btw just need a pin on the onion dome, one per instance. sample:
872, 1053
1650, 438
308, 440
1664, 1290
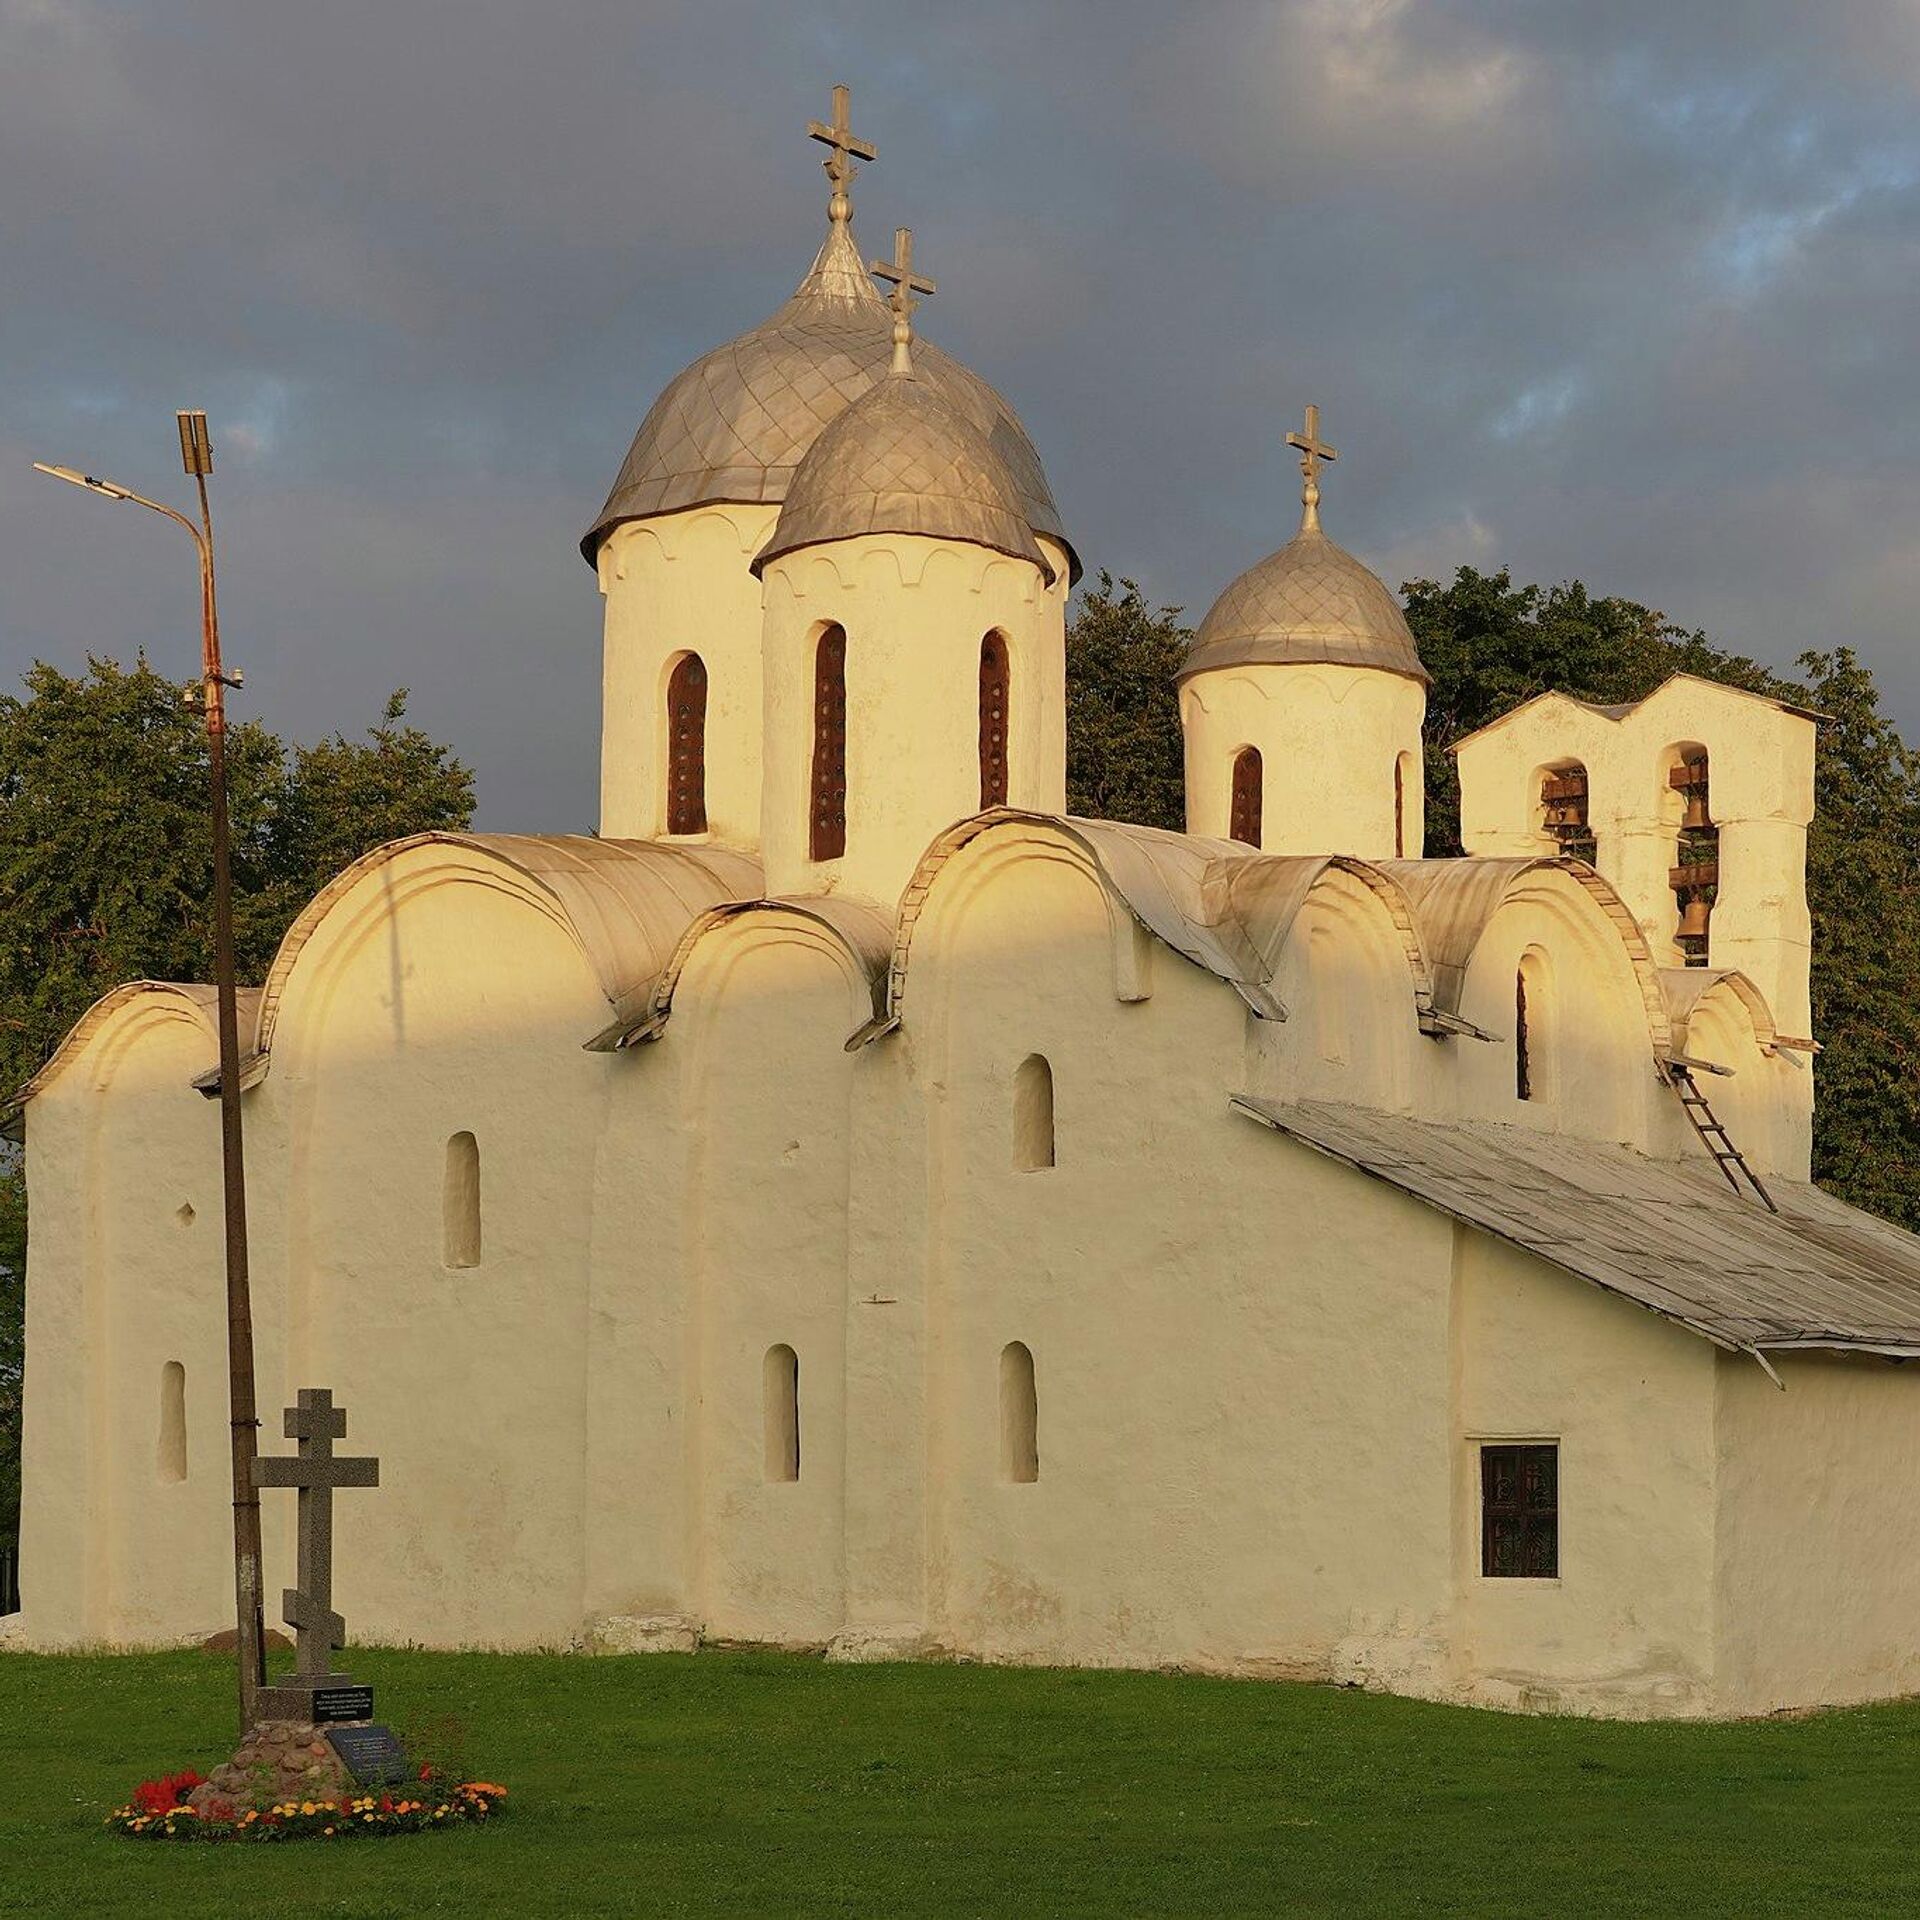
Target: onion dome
1310, 602
737, 423
904, 459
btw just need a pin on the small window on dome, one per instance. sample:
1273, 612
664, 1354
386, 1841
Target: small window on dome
995, 690
687, 747
827, 826
1248, 782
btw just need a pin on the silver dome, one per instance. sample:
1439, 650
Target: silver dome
1311, 601
904, 459
736, 424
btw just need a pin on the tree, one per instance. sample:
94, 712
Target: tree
106, 871
1125, 759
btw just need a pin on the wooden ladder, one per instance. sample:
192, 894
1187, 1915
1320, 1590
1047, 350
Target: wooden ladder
1713, 1136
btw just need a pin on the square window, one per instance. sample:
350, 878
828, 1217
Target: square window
1520, 1512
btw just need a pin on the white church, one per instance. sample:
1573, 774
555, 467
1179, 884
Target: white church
849, 1204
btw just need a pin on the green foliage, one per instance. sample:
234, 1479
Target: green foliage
106, 870
768, 1785
1124, 755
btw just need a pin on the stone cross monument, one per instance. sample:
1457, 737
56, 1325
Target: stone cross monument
316, 1423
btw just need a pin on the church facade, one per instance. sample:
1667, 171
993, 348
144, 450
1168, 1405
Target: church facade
849, 1203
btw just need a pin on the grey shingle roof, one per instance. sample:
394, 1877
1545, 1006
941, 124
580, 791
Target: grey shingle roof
903, 459
1670, 1235
737, 423
1311, 601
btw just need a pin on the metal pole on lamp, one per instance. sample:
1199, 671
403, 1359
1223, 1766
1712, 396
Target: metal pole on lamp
196, 452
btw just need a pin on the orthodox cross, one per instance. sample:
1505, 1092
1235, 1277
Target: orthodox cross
316, 1423
846, 149
906, 283
1312, 451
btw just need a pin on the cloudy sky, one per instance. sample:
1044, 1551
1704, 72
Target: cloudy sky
1624, 291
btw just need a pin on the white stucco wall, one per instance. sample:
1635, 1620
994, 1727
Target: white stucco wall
675, 584
1261, 1377
1330, 738
915, 612
1817, 1566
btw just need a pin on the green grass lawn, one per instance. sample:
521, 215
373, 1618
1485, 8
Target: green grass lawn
754, 1783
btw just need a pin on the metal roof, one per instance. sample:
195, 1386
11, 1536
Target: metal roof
1311, 601
903, 459
736, 424
627, 902
198, 1000
1669, 1235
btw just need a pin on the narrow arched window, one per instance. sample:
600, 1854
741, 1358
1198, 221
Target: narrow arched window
781, 1399
1400, 806
996, 679
460, 1203
1033, 1114
687, 746
1522, 1039
1244, 823
827, 831
172, 1454
1019, 1415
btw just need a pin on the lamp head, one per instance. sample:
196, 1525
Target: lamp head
77, 479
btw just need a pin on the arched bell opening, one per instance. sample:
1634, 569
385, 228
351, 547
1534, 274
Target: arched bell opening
1565, 810
1686, 805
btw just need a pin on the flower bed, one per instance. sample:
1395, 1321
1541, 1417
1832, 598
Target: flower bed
159, 1811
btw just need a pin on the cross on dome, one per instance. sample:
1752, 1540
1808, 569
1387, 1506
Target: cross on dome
1312, 451
846, 148
906, 283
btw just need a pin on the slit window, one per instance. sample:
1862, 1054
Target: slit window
1522, 1039
995, 692
172, 1454
827, 827
460, 1203
1520, 1512
1400, 805
687, 747
1019, 1415
782, 1413
1033, 1114
1248, 797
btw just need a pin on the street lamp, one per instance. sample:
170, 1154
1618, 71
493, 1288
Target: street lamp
196, 454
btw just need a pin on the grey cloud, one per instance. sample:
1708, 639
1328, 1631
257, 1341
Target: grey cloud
1619, 291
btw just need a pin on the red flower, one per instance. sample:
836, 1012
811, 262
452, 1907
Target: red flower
168, 1792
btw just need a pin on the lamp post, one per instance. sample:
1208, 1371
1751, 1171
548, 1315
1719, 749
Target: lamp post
196, 453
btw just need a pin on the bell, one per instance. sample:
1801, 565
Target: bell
1696, 815
1694, 915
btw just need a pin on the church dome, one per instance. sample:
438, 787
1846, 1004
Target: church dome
904, 459
1311, 601
737, 423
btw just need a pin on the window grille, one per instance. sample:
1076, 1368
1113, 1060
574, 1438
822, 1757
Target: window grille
827, 833
1520, 1512
995, 687
687, 747
1244, 824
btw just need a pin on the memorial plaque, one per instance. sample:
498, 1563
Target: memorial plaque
371, 1754
342, 1703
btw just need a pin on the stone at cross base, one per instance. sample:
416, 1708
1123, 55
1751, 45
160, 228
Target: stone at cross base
314, 1470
